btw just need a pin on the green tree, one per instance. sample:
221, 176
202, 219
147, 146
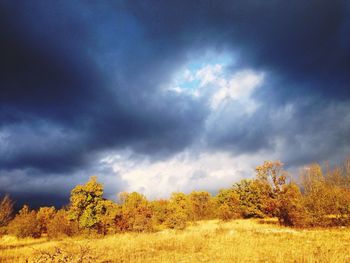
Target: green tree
86, 204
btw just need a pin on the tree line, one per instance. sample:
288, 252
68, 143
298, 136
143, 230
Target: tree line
318, 199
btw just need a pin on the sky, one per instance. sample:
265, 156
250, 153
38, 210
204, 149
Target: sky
164, 96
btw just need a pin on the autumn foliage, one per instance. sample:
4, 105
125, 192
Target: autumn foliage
6, 210
321, 198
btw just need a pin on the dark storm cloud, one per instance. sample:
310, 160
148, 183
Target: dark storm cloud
304, 46
319, 131
45, 67
81, 78
301, 41
301, 131
75, 80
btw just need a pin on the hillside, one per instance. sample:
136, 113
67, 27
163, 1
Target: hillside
206, 241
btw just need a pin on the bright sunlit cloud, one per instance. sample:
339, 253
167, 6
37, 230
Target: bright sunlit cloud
239, 87
183, 172
198, 72
213, 79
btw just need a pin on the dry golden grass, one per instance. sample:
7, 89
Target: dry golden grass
209, 241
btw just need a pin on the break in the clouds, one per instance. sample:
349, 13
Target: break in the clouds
162, 96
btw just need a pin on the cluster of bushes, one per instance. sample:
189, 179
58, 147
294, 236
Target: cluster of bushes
89, 213
320, 199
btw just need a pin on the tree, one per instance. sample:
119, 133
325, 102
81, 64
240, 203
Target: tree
201, 205
160, 210
107, 218
291, 207
255, 198
44, 215
60, 225
179, 211
227, 202
6, 210
317, 196
137, 213
340, 199
86, 204
326, 197
271, 172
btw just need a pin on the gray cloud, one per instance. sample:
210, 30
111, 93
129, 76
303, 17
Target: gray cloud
79, 79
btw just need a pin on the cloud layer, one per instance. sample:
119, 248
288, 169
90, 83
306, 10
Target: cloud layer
172, 93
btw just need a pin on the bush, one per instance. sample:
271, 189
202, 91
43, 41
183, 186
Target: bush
176, 220
136, 214
291, 211
6, 210
256, 199
227, 202
340, 214
179, 211
201, 205
44, 215
109, 213
25, 224
60, 226
160, 210
67, 253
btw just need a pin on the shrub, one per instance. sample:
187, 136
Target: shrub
291, 211
160, 210
318, 197
59, 225
136, 213
25, 224
340, 216
67, 253
227, 202
179, 211
107, 217
6, 210
44, 215
256, 198
201, 205
176, 220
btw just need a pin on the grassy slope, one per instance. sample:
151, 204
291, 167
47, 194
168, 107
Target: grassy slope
210, 241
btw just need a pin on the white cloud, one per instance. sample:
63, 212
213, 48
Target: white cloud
209, 74
212, 83
187, 75
238, 88
184, 172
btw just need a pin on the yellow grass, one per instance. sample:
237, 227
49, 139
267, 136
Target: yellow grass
207, 241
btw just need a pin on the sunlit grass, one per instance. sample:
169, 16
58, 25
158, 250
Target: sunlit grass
207, 241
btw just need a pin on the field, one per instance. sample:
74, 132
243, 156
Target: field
205, 241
